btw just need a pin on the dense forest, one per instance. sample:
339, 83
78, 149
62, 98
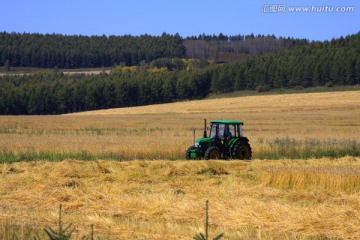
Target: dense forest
54, 50
171, 78
318, 64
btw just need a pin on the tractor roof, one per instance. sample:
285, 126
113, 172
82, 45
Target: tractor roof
227, 122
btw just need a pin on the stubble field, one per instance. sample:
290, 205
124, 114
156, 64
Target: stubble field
123, 170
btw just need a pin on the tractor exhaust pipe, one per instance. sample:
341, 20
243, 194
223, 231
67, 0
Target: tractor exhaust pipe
205, 134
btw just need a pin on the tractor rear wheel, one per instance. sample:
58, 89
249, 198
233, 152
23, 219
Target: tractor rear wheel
212, 153
242, 150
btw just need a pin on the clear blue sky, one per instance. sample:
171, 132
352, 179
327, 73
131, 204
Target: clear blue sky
186, 17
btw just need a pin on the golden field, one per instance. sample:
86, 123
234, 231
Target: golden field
151, 197
165, 199
165, 131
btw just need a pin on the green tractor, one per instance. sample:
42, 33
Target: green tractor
225, 142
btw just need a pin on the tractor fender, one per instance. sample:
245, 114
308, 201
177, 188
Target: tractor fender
233, 141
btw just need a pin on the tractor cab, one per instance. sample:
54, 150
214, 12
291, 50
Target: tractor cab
227, 129
225, 141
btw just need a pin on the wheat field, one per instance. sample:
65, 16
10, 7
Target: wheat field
318, 120
123, 170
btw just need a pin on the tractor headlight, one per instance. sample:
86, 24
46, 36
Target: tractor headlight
197, 144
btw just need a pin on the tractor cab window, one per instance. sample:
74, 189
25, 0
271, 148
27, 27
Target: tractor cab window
222, 130
240, 131
217, 130
230, 131
214, 130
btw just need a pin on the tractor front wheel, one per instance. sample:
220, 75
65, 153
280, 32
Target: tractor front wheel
212, 153
242, 150
187, 154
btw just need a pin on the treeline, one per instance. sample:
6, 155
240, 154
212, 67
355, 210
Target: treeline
56, 93
60, 51
318, 64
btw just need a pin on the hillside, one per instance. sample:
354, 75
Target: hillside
250, 104
174, 79
278, 126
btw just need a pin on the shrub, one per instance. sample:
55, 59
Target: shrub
262, 88
329, 84
299, 88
